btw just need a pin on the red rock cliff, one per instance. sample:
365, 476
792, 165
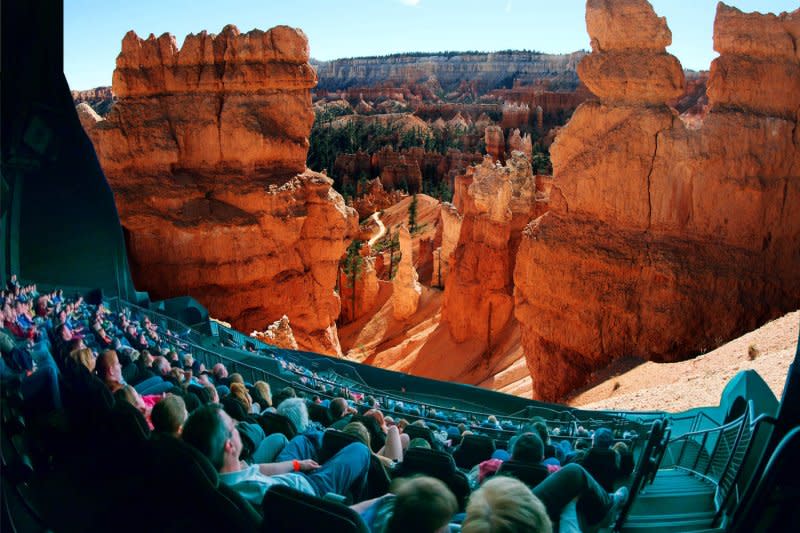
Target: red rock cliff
205, 151
664, 240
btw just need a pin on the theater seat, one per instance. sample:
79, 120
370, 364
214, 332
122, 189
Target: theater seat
436, 464
288, 510
419, 432
320, 414
473, 450
530, 474
275, 423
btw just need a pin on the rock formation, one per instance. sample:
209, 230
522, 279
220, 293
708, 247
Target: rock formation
205, 151
664, 240
279, 334
515, 115
407, 290
520, 143
495, 143
448, 72
100, 99
478, 299
450, 222
375, 198
366, 291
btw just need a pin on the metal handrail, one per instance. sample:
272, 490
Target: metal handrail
175, 324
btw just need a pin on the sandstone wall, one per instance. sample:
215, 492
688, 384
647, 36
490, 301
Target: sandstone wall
205, 151
665, 240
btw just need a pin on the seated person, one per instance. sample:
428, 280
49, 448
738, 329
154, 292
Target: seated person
421, 504
35, 371
601, 461
109, 370
214, 434
169, 415
505, 504
341, 413
573, 484
528, 450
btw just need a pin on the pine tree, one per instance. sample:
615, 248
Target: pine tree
412, 215
352, 265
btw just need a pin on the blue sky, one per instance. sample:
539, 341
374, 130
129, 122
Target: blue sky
93, 29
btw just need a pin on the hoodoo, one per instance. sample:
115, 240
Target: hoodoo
664, 240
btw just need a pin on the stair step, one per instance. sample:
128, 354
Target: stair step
702, 515
666, 527
670, 503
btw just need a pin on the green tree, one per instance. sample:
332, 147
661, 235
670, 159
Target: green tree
352, 264
412, 215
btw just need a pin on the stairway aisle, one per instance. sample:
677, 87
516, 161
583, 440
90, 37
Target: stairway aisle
676, 501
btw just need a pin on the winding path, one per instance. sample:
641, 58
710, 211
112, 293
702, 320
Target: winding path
381, 228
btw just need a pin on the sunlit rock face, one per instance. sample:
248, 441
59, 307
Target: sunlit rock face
664, 239
205, 150
496, 205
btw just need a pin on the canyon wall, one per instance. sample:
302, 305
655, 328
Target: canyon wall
665, 238
486, 70
205, 151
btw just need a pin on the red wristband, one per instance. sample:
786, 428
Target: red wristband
296, 465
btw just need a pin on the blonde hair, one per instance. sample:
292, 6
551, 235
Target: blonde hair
504, 504
239, 391
265, 391
85, 357
358, 430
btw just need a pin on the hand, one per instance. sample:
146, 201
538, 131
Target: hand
308, 464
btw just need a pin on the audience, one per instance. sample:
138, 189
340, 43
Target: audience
151, 368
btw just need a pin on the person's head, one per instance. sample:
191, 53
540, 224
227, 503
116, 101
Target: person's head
266, 393
379, 418
283, 394
147, 358
422, 504
359, 431
528, 448
239, 391
295, 410
603, 438
541, 430
214, 434
85, 357
419, 442
492, 419
108, 367
339, 408
126, 393
213, 393
169, 414
507, 505
236, 378
219, 371
188, 360
582, 444
161, 366
621, 448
